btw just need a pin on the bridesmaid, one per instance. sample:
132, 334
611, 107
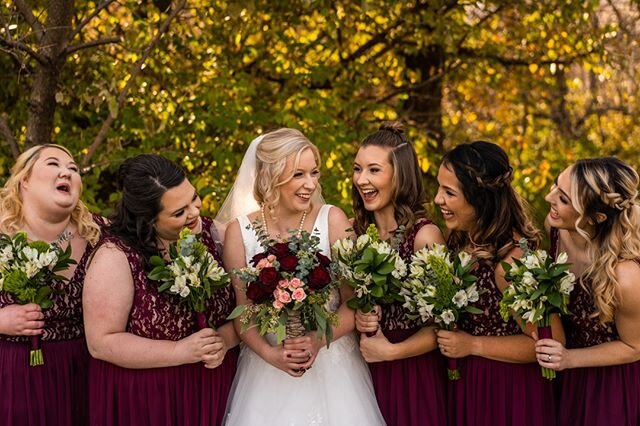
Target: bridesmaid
148, 365
408, 375
594, 219
500, 384
42, 198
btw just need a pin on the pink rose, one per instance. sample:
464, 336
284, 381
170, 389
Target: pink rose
299, 295
271, 258
282, 295
278, 305
283, 284
263, 263
295, 283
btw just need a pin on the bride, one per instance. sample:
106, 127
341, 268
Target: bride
300, 382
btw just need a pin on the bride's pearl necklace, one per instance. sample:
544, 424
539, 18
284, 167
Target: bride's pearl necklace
278, 236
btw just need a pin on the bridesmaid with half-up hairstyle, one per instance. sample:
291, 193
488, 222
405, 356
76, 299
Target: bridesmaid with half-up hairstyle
595, 219
408, 374
501, 384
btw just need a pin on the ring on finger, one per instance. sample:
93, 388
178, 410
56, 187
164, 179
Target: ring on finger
548, 357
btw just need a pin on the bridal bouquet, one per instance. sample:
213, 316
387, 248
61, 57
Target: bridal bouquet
289, 285
440, 289
192, 274
372, 267
539, 288
26, 270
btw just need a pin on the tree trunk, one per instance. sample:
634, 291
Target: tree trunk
42, 103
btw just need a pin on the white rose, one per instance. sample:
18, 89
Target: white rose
460, 299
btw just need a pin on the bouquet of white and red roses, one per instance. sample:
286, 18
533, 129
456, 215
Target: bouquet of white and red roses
540, 287
372, 267
440, 288
192, 274
26, 271
289, 285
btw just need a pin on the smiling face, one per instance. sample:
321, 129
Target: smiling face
373, 177
458, 214
54, 182
561, 215
299, 183
180, 208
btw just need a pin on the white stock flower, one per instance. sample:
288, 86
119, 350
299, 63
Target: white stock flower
562, 258
465, 258
567, 283
460, 299
447, 316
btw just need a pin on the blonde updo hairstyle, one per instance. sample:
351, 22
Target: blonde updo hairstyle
604, 193
272, 154
11, 217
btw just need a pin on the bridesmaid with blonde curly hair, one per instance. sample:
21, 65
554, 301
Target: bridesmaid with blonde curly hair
42, 198
594, 218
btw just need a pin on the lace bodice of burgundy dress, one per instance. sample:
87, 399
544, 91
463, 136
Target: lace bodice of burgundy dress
160, 316
580, 328
63, 321
394, 315
488, 323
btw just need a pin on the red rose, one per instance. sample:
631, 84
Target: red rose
319, 277
256, 293
279, 249
324, 260
269, 278
257, 258
288, 263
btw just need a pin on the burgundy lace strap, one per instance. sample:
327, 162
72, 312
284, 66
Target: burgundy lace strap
554, 244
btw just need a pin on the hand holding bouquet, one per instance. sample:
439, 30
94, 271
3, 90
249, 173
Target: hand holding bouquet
26, 270
372, 267
289, 285
539, 288
440, 289
192, 273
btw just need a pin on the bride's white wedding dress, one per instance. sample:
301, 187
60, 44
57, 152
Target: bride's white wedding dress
336, 391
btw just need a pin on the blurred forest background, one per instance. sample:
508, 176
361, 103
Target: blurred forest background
197, 80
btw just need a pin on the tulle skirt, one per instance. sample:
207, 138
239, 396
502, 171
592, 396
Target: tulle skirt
51, 394
494, 393
600, 396
337, 391
186, 395
411, 391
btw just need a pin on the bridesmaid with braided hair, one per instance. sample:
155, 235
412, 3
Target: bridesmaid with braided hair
408, 373
594, 218
501, 384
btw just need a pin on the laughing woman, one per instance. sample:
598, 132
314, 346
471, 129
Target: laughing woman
150, 366
42, 198
407, 372
595, 220
501, 384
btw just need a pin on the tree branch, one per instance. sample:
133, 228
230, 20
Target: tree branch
136, 69
89, 17
514, 61
12, 44
28, 16
94, 43
8, 135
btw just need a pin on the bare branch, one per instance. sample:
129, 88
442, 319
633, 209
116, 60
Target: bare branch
12, 44
89, 17
8, 135
136, 69
94, 43
28, 16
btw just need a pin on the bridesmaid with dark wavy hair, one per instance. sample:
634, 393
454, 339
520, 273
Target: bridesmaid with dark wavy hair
595, 219
408, 374
501, 384
150, 365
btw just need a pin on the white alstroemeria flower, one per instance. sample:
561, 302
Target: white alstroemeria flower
447, 316
528, 279
472, 293
562, 258
30, 254
185, 291
362, 241
344, 246
215, 272
194, 279
381, 247
416, 271
542, 255
361, 290
531, 262
31, 269
47, 259
460, 299
430, 291
180, 281
440, 250
465, 258
6, 255
567, 283
400, 268
188, 260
